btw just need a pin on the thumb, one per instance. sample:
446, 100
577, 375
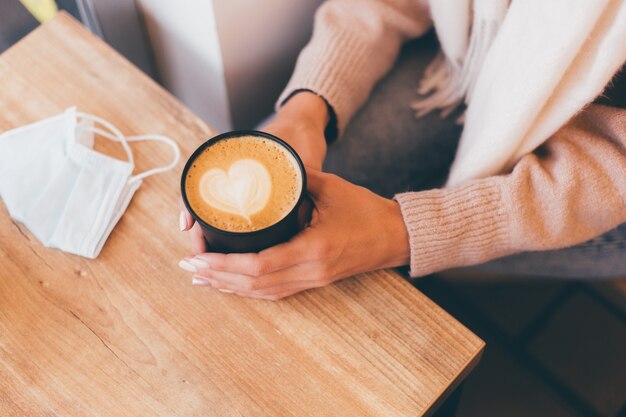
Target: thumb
315, 183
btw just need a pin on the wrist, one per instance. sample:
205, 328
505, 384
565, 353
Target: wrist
399, 247
305, 108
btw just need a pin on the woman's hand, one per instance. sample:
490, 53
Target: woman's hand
300, 122
352, 230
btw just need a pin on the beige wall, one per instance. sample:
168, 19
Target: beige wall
260, 41
228, 59
186, 49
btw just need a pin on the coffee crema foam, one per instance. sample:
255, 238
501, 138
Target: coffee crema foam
243, 184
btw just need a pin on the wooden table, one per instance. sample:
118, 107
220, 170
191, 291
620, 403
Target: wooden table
127, 335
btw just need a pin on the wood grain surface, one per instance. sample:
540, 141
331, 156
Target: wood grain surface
127, 334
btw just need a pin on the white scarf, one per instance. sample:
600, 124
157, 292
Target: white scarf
523, 70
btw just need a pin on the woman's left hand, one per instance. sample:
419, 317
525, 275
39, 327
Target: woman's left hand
352, 230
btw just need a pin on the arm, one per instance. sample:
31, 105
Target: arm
354, 43
571, 189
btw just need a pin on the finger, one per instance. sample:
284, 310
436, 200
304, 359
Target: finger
228, 280
276, 297
281, 256
282, 291
305, 275
198, 244
245, 283
291, 287
273, 293
185, 221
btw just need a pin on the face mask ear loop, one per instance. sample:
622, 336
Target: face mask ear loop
156, 138
117, 135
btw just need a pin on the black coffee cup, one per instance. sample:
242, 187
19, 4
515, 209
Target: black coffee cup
242, 242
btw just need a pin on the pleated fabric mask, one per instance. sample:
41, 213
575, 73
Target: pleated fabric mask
66, 193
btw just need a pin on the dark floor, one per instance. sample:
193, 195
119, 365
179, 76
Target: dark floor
554, 348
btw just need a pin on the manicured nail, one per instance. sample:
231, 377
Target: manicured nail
224, 290
200, 281
187, 266
182, 221
199, 263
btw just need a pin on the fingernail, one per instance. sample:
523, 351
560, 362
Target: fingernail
224, 290
199, 263
187, 266
200, 281
182, 221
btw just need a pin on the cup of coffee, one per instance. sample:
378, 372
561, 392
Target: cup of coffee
244, 188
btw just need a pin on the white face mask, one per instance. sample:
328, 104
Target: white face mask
67, 194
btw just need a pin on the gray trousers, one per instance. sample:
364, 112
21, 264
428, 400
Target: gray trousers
386, 149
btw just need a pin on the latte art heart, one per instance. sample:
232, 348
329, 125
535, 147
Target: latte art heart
244, 190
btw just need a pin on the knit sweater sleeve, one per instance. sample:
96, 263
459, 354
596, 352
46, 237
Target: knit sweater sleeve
354, 43
571, 189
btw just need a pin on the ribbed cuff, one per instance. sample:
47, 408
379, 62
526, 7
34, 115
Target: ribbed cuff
454, 227
326, 69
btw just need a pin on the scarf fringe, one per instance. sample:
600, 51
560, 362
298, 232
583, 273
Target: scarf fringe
445, 84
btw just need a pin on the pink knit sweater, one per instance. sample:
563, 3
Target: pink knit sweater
571, 189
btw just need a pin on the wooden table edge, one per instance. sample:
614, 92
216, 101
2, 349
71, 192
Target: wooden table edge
473, 359
468, 368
